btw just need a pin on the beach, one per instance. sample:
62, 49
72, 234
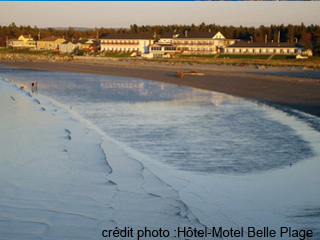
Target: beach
289, 88
104, 151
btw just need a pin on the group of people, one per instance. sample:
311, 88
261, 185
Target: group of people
34, 86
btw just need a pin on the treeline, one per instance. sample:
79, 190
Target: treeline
12, 31
309, 36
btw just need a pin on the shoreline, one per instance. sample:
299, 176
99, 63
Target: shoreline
290, 92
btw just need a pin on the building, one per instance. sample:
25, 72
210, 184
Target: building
66, 47
264, 48
24, 41
70, 46
161, 49
127, 42
196, 42
50, 43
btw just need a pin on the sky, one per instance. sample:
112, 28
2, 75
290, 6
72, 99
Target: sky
123, 14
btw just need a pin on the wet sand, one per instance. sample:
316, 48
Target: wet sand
298, 93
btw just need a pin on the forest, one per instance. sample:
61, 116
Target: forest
308, 36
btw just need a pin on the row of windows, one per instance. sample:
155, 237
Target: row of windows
156, 48
120, 42
196, 49
122, 49
260, 50
219, 42
49, 44
165, 48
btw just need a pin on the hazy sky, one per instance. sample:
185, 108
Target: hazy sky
122, 14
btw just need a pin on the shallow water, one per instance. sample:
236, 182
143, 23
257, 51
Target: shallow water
188, 129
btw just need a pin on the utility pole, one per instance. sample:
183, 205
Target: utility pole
279, 36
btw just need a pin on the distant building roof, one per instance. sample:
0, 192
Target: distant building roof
128, 36
66, 42
261, 45
82, 41
188, 34
50, 39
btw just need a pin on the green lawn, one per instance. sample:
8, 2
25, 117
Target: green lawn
26, 51
117, 55
283, 57
245, 56
5, 50
197, 56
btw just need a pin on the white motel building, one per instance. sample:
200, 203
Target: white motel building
127, 42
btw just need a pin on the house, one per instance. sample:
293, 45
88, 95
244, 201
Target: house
264, 48
70, 46
66, 47
196, 42
127, 42
24, 41
50, 43
83, 44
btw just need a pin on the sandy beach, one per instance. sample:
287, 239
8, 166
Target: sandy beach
301, 93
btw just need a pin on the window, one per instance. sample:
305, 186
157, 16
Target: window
156, 48
170, 48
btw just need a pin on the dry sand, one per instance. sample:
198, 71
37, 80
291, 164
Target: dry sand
294, 92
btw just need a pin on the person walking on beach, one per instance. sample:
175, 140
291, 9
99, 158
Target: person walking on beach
32, 87
36, 86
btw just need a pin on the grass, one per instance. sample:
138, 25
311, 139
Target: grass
117, 54
244, 56
5, 50
27, 51
283, 57
94, 54
197, 56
